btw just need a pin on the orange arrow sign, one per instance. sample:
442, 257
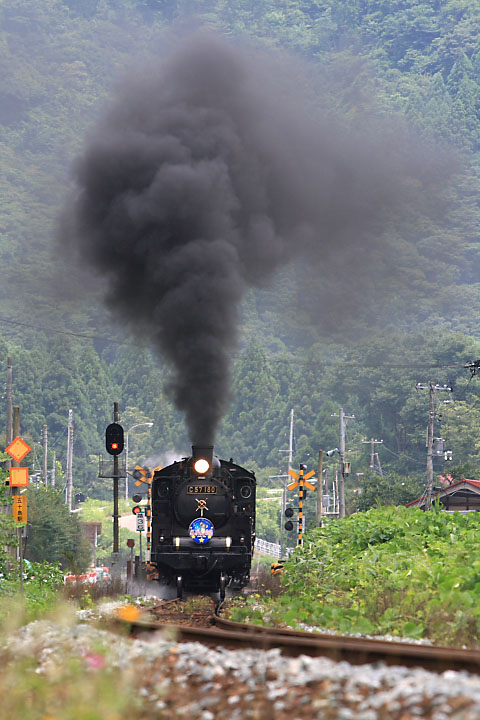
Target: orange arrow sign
310, 474
292, 486
293, 474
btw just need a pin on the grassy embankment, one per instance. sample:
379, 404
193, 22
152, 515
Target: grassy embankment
391, 570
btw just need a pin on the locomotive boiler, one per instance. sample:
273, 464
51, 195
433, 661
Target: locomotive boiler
203, 523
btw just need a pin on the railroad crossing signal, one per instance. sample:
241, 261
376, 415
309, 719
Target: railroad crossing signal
300, 481
297, 477
137, 510
142, 475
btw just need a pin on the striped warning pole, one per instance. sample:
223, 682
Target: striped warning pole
301, 499
300, 481
149, 516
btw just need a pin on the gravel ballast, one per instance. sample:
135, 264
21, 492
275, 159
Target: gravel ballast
192, 681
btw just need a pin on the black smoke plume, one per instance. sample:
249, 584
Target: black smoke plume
207, 172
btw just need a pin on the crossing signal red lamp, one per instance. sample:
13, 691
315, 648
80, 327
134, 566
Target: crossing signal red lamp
114, 440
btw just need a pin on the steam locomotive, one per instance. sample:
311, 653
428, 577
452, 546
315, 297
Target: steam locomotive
203, 523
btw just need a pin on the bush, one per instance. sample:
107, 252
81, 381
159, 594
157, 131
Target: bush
389, 570
41, 584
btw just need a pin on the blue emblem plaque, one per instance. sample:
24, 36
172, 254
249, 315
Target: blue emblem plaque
201, 530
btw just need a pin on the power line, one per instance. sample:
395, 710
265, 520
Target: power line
66, 332
403, 455
236, 356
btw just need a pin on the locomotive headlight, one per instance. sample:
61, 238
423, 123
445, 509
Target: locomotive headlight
201, 466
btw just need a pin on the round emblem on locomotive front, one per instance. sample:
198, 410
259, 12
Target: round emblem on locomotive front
201, 530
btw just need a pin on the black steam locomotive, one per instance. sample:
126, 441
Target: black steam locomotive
203, 523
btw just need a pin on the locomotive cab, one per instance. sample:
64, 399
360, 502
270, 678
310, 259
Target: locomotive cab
203, 522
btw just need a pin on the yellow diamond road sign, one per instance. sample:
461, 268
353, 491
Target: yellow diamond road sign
18, 449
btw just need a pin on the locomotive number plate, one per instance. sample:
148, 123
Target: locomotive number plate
202, 489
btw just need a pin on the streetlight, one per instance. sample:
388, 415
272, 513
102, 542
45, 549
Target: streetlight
148, 424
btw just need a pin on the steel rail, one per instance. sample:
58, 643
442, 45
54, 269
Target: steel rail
357, 651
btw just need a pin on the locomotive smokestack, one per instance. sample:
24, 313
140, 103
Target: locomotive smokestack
206, 174
203, 452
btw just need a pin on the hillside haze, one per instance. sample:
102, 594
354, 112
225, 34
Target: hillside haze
356, 325
205, 175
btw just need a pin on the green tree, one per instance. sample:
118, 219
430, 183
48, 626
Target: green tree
391, 489
54, 534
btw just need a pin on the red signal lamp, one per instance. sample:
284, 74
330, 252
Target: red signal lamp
114, 439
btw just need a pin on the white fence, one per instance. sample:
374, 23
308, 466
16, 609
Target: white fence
267, 548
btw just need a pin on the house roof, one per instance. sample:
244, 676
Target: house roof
472, 486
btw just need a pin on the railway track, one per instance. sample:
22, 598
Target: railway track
209, 628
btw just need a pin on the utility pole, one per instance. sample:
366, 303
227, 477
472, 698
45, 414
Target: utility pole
372, 442
320, 489
432, 389
45, 454
335, 491
69, 497
15, 490
115, 487
9, 406
290, 459
126, 467
343, 419
290, 441
54, 468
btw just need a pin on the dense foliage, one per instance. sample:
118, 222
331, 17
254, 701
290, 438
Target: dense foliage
389, 570
315, 351
366, 381
54, 535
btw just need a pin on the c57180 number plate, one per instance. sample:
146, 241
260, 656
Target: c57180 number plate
202, 489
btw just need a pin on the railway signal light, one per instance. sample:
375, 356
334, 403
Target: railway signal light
289, 512
114, 440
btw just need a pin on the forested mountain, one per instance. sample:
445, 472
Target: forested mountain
375, 381
313, 341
